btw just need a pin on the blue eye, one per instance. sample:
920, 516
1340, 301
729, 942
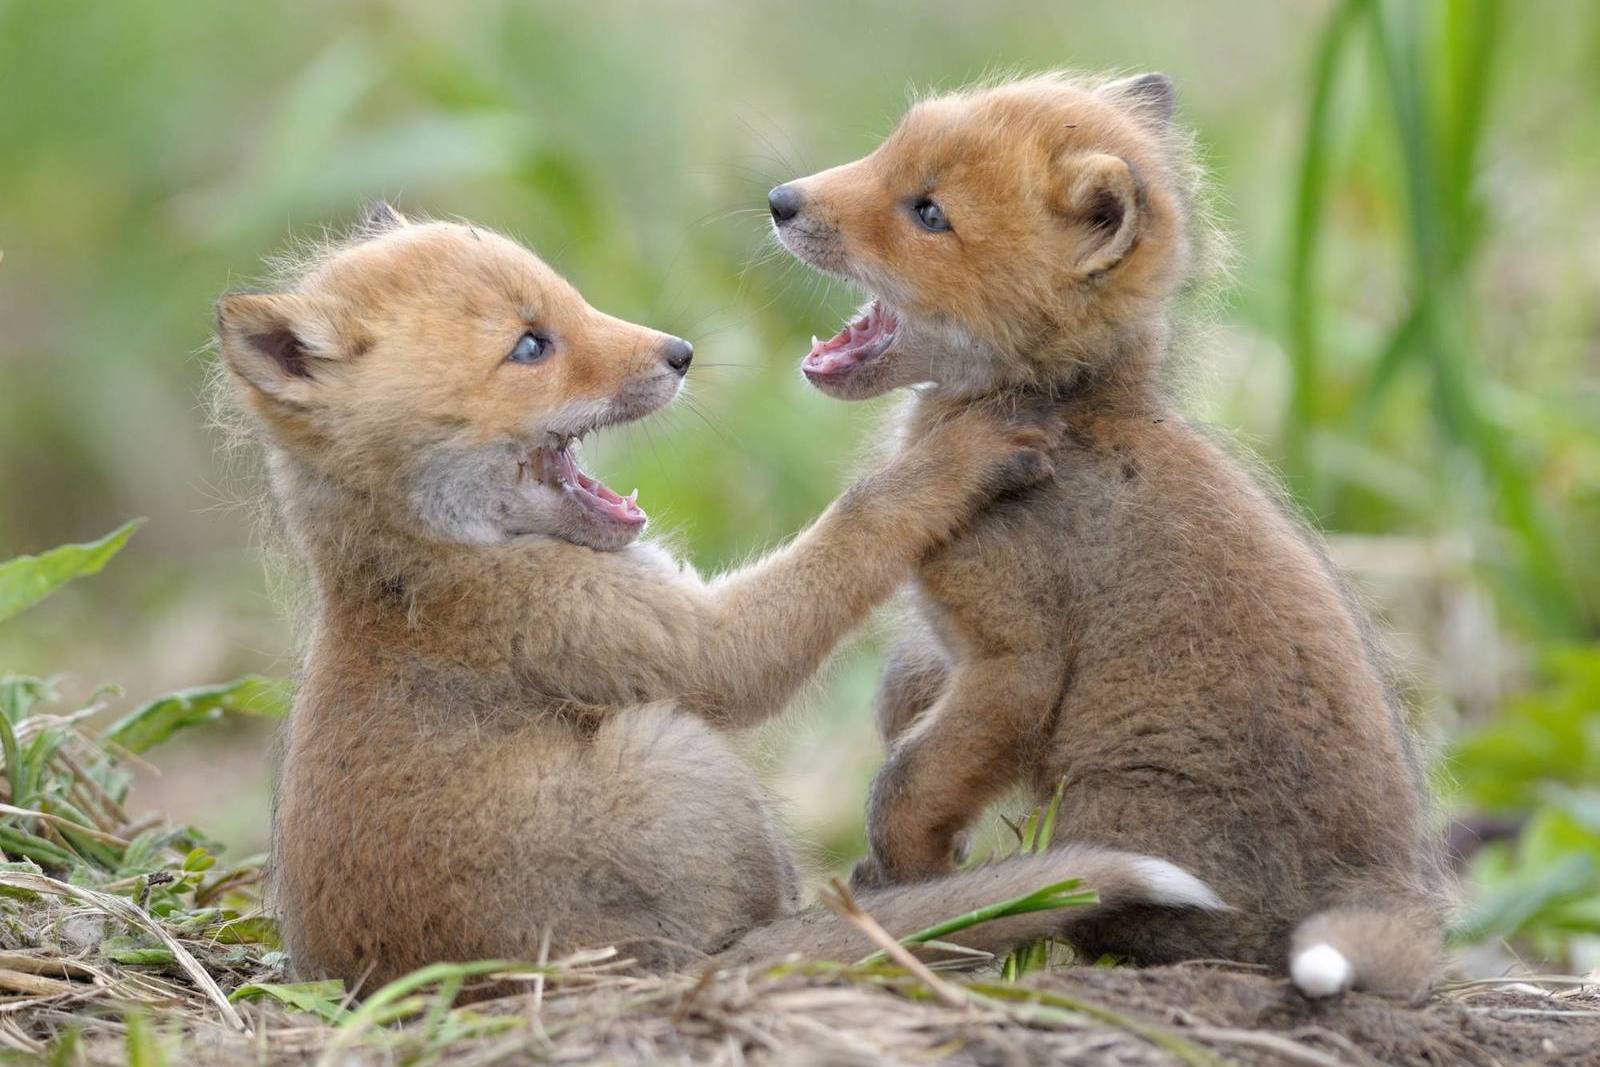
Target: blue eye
530, 348
931, 215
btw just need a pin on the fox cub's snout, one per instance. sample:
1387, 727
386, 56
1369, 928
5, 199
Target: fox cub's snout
992, 229
447, 372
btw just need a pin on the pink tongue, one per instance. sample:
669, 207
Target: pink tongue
841, 350
618, 507
819, 362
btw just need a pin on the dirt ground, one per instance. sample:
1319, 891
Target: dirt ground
1483, 1025
1187, 1015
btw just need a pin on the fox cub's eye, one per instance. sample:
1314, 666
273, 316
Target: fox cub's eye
530, 348
931, 215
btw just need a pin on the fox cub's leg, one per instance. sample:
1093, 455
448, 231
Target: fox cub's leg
960, 755
912, 680
767, 628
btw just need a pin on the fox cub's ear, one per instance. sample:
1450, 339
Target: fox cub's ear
379, 217
1151, 95
274, 341
1104, 198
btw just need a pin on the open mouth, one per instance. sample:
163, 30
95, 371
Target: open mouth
861, 341
553, 464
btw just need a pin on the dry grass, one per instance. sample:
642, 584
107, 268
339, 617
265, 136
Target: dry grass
126, 941
77, 1008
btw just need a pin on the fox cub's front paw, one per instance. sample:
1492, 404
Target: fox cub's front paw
1010, 442
1028, 466
881, 867
867, 874
1036, 430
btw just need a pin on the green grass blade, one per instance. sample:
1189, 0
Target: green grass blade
1046, 898
149, 725
1047, 825
16, 842
143, 1047
1306, 229
1402, 344
379, 1006
1473, 32
14, 769
26, 580
1538, 585
20, 692
1030, 833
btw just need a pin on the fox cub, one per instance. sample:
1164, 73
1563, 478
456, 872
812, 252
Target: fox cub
511, 725
1148, 625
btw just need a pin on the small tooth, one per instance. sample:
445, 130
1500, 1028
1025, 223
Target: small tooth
814, 341
633, 496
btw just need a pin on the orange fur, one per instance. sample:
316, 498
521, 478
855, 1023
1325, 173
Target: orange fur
1150, 626
510, 724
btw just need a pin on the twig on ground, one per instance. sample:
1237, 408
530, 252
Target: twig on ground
843, 904
1266, 1041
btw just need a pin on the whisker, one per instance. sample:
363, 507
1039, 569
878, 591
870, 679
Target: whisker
782, 157
688, 403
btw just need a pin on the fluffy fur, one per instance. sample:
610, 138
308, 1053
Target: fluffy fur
512, 719
1150, 625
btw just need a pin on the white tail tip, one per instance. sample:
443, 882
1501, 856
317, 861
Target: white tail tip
1321, 971
1172, 885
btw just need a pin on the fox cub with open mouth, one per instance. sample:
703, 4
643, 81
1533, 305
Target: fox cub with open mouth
1148, 626
510, 731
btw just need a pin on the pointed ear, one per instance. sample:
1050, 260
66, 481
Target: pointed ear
1104, 198
379, 217
1151, 95
275, 341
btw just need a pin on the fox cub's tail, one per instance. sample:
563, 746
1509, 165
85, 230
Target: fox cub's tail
1389, 946
1119, 878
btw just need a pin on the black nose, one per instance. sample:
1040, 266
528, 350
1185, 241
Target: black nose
784, 202
678, 353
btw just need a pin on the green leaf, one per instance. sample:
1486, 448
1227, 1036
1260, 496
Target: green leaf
199, 859
26, 580
151, 724
245, 930
323, 999
20, 692
1582, 806
131, 951
1512, 906
143, 854
15, 842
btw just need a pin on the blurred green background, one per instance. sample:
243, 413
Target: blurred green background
1412, 334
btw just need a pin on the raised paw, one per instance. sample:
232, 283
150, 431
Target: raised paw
1024, 468
868, 874
911, 862
961, 849
1033, 431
